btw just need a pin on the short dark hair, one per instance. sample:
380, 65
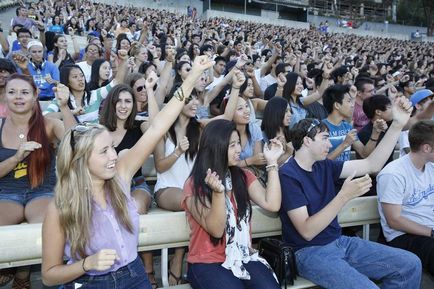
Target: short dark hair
219, 58
422, 132
361, 82
332, 94
303, 129
23, 30
378, 101
6, 64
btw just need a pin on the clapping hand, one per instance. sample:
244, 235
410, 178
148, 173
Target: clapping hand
213, 181
272, 151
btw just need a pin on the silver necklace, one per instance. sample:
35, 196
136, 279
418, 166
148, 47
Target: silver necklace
21, 136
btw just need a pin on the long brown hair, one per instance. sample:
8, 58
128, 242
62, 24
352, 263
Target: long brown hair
39, 160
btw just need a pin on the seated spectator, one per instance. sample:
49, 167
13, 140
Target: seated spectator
365, 89
310, 205
106, 225
339, 102
92, 53
45, 74
406, 196
6, 69
56, 25
217, 199
84, 103
60, 55
118, 116
27, 159
423, 104
101, 74
174, 157
275, 124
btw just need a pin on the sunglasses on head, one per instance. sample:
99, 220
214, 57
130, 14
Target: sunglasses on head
314, 124
80, 128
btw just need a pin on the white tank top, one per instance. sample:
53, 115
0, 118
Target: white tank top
176, 176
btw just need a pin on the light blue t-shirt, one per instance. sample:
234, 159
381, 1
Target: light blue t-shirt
255, 135
337, 135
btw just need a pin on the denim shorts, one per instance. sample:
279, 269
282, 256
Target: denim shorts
139, 183
131, 276
24, 197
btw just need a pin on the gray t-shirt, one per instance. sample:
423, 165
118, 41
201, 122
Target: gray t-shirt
402, 184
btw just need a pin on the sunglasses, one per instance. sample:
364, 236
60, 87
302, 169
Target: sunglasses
314, 124
80, 128
140, 88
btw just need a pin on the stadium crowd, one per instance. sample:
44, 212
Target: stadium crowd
234, 113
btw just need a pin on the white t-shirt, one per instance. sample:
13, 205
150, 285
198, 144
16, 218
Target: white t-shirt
87, 70
216, 81
401, 183
403, 143
266, 81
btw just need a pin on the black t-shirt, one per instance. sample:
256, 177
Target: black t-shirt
130, 139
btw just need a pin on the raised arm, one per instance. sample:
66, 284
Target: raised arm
131, 161
401, 113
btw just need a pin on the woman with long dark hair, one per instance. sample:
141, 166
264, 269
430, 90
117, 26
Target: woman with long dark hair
174, 157
84, 103
27, 161
275, 124
100, 75
217, 200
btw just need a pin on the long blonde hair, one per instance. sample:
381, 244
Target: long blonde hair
73, 191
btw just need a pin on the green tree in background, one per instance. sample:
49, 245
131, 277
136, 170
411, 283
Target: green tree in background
417, 12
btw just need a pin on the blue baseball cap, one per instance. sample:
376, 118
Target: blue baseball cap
420, 95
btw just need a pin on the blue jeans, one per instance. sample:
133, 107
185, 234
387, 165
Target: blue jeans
131, 276
214, 276
350, 262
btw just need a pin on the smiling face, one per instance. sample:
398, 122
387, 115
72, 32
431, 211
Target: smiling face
242, 112
298, 87
249, 92
142, 56
190, 109
140, 91
20, 96
125, 44
124, 105
234, 149
102, 161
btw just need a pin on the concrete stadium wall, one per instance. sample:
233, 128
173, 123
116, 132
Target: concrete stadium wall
267, 17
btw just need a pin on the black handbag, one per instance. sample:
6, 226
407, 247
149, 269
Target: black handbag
281, 258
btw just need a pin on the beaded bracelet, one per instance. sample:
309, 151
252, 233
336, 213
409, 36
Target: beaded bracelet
270, 167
